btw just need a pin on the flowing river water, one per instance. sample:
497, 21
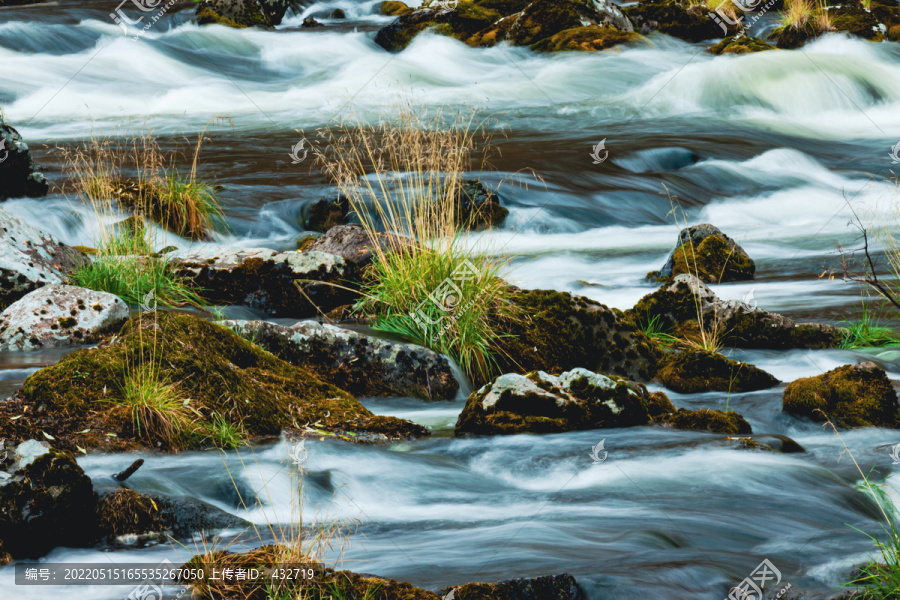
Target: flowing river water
777, 149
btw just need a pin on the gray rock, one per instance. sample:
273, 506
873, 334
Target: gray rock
59, 315
361, 364
30, 259
541, 403
27, 452
352, 243
18, 177
265, 279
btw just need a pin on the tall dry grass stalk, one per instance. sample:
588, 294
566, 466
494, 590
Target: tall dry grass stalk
403, 179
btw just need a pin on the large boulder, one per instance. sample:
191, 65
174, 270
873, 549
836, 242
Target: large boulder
694, 371
125, 515
221, 377
30, 259
676, 306
544, 19
46, 500
859, 395
268, 280
704, 251
690, 22
59, 315
542, 403
556, 331
462, 23
361, 364
242, 13
18, 175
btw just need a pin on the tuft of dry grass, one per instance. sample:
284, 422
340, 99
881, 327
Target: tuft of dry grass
799, 14
427, 281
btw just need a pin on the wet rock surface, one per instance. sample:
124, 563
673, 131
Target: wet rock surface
60, 315
361, 364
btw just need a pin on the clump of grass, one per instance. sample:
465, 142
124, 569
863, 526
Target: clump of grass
868, 333
132, 171
223, 433
652, 326
156, 409
427, 281
800, 14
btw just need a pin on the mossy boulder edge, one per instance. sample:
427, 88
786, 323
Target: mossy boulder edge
217, 372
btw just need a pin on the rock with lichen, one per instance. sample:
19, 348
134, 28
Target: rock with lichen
242, 13
707, 253
212, 376
686, 304
859, 395
541, 403
686, 21
46, 500
30, 259
282, 284
695, 370
743, 44
60, 315
359, 363
556, 331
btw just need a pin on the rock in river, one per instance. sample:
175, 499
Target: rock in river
59, 315
18, 177
361, 364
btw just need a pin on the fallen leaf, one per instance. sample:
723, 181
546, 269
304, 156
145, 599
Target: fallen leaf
48, 436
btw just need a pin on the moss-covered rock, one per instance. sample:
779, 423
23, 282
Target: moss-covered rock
694, 371
478, 207
714, 421
49, 502
394, 8
676, 306
549, 587
544, 19
796, 35
859, 395
219, 373
461, 23
242, 13
326, 213
690, 23
124, 513
740, 45
587, 38
556, 331
706, 252
541, 403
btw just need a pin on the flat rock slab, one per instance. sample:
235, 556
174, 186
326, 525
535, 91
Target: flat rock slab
59, 315
30, 259
282, 284
361, 364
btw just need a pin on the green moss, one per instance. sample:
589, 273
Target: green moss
556, 332
658, 405
740, 45
218, 371
394, 8
125, 511
850, 396
694, 371
67, 322
587, 38
691, 23
207, 16
713, 260
714, 421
